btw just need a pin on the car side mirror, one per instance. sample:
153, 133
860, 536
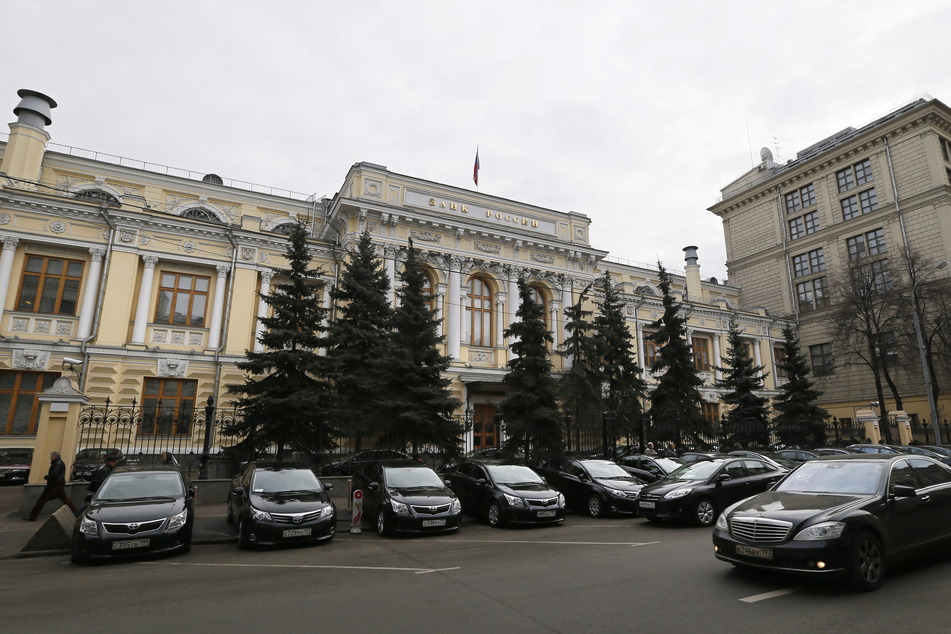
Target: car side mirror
481, 482
903, 491
239, 491
328, 486
447, 482
373, 486
723, 477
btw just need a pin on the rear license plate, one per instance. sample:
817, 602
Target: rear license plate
752, 551
645, 505
131, 543
546, 514
297, 532
430, 523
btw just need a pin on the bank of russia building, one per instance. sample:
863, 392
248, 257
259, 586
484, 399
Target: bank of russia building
150, 276
851, 203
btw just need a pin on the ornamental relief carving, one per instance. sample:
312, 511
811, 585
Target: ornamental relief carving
172, 367
487, 248
425, 236
480, 357
373, 188
4, 218
30, 359
544, 259
57, 226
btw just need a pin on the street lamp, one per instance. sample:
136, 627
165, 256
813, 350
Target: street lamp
925, 371
206, 445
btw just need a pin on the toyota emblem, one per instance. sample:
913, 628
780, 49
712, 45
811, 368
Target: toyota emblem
298, 519
134, 527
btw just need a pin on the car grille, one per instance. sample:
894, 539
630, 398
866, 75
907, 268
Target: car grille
543, 503
295, 518
759, 530
431, 510
649, 496
133, 527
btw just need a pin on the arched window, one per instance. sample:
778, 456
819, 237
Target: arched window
285, 228
429, 291
200, 213
98, 196
538, 294
479, 313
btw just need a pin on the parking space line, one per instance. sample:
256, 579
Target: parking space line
533, 542
768, 595
384, 568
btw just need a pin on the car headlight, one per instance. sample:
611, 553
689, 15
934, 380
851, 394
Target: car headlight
88, 527
615, 492
456, 507
327, 511
722, 523
399, 508
178, 520
677, 493
517, 502
821, 531
561, 500
259, 514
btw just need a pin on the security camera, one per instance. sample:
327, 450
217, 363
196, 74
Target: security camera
71, 361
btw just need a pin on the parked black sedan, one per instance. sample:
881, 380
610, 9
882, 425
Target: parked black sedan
15, 463
354, 462
849, 516
403, 496
280, 503
594, 486
90, 459
506, 493
649, 468
136, 511
696, 491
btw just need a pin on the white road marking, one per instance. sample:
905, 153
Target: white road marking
768, 595
210, 565
532, 543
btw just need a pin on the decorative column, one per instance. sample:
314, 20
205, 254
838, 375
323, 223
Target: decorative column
218, 308
454, 335
87, 309
389, 261
6, 267
557, 325
567, 284
757, 357
499, 310
513, 275
440, 310
144, 308
266, 277
716, 356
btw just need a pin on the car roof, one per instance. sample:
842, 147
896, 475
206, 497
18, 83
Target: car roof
397, 462
143, 469
275, 465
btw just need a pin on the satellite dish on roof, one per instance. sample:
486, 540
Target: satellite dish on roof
765, 155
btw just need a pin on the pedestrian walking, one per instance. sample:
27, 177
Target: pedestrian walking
55, 488
99, 475
168, 459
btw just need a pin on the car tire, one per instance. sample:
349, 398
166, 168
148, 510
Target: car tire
244, 535
382, 523
595, 505
228, 516
75, 554
866, 563
494, 515
705, 512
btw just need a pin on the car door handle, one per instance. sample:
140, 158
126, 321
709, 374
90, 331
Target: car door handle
925, 498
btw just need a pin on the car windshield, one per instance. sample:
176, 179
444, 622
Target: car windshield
781, 460
16, 456
700, 470
606, 470
668, 464
278, 480
136, 486
412, 478
834, 476
514, 474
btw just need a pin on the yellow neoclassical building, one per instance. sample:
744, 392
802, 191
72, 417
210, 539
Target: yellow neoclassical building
141, 282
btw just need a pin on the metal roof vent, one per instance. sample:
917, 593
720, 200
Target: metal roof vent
214, 179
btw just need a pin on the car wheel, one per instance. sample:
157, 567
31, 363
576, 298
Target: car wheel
494, 515
867, 563
705, 512
244, 535
595, 506
382, 525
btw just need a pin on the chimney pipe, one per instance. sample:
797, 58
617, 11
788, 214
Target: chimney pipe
692, 271
23, 157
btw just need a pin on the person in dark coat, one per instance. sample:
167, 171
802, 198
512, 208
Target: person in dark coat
99, 475
168, 459
55, 488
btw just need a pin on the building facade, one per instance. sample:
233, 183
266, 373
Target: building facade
142, 283
852, 207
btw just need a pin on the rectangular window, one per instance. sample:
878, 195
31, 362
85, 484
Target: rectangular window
858, 204
168, 407
866, 245
821, 356
800, 199
797, 228
779, 358
182, 299
886, 347
18, 400
812, 294
711, 413
855, 175
651, 351
945, 149
812, 222
50, 285
701, 353
808, 263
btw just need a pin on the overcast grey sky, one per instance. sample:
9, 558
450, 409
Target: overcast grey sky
634, 113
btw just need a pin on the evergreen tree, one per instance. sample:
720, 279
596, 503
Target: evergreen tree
675, 401
626, 387
748, 420
360, 352
529, 411
799, 421
579, 388
285, 393
422, 399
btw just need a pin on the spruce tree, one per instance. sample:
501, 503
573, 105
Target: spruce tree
799, 421
529, 410
422, 399
360, 345
748, 421
626, 387
675, 401
286, 396
579, 388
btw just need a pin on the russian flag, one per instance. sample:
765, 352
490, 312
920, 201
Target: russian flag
475, 168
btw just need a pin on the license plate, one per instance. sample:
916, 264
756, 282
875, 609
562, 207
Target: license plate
297, 532
546, 514
429, 523
752, 551
131, 543
645, 505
